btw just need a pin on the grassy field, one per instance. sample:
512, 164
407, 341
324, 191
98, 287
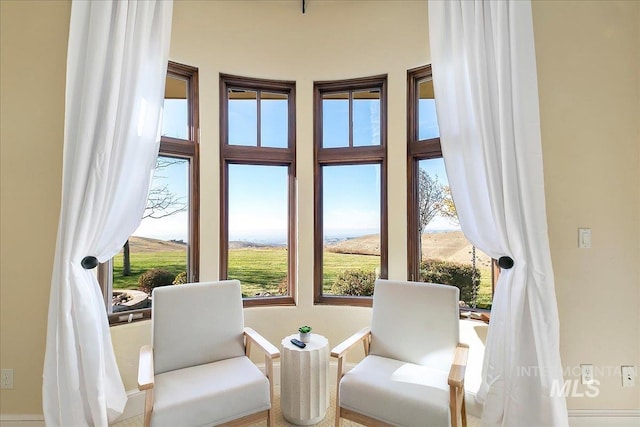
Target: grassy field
484, 293
261, 270
173, 261
335, 262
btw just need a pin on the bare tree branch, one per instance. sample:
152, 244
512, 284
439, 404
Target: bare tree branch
161, 202
431, 194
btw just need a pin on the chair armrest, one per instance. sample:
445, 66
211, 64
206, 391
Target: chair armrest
269, 349
145, 368
340, 350
459, 365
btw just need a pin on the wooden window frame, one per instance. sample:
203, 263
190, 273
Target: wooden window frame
360, 155
418, 150
188, 149
260, 156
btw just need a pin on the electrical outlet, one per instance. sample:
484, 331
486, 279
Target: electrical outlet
628, 376
6, 378
586, 374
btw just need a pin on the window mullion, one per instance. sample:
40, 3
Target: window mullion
351, 119
258, 118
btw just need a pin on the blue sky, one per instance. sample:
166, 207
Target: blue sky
258, 194
174, 124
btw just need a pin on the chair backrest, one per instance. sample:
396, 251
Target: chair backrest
415, 322
196, 323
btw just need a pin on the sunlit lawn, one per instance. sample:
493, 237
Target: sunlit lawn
259, 270
263, 269
484, 293
175, 262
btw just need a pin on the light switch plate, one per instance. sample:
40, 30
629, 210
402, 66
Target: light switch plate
584, 238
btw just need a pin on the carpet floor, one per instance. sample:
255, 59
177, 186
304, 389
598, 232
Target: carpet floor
328, 421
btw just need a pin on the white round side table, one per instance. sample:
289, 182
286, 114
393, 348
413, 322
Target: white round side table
304, 380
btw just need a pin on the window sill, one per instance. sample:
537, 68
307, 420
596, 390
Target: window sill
343, 300
268, 301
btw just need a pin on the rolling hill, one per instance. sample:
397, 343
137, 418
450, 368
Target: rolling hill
146, 244
450, 246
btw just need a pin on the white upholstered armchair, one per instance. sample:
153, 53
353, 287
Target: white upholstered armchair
414, 365
197, 371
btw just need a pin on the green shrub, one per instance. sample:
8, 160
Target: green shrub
181, 278
354, 283
450, 273
154, 278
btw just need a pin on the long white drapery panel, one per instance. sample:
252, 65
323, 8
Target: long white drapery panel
116, 69
484, 75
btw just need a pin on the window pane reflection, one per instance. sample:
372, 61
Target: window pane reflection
427, 119
335, 120
366, 118
175, 116
351, 228
243, 118
258, 229
274, 119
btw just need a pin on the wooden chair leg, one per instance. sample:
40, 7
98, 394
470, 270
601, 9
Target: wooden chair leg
268, 364
148, 407
340, 361
457, 407
464, 411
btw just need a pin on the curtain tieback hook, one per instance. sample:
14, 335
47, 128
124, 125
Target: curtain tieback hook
505, 262
89, 262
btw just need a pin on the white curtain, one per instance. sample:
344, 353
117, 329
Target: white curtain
116, 69
484, 75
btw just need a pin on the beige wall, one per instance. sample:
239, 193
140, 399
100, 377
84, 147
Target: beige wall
589, 72
32, 81
588, 62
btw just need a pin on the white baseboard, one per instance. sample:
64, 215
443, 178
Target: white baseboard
604, 417
21, 420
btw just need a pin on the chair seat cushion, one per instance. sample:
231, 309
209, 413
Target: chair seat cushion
396, 392
209, 394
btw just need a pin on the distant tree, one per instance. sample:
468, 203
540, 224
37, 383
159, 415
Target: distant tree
448, 207
161, 203
434, 198
431, 196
